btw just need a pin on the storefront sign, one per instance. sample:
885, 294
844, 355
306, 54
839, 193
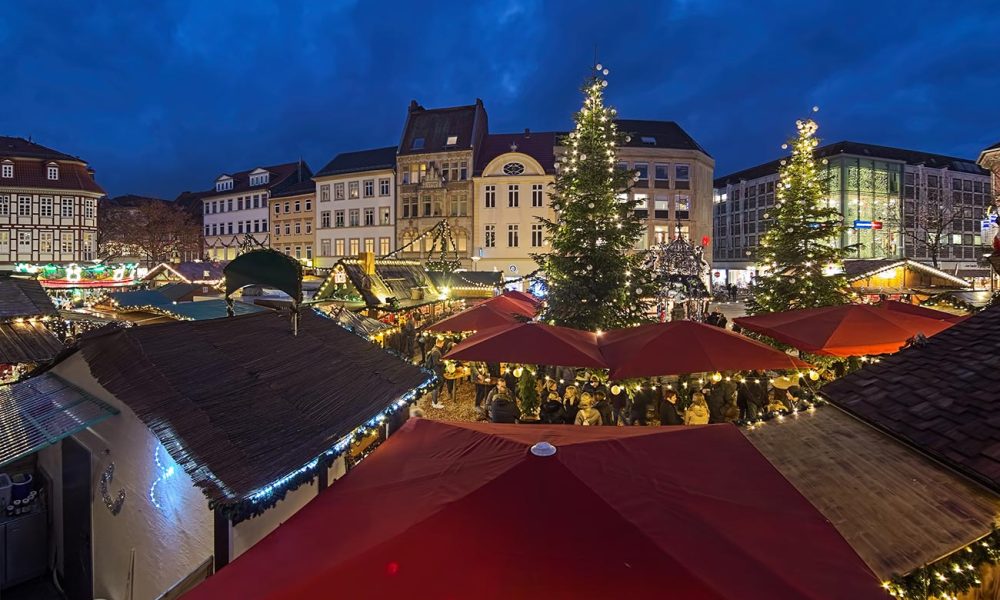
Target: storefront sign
867, 224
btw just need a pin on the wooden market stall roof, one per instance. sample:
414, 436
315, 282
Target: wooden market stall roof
192, 271
27, 342
860, 272
24, 298
939, 396
394, 278
468, 284
241, 403
897, 509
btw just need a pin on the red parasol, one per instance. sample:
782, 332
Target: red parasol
523, 297
845, 330
920, 311
512, 305
479, 317
464, 510
532, 343
686, 347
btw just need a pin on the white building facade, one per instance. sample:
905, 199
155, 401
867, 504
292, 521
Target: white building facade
48, 205
356, 205
513, 182
238, 207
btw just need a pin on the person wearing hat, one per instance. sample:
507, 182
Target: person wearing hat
618, 399
587, 414
594, 385
788, 394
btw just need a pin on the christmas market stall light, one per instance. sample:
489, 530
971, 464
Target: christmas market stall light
76, 275
946, 579
269, 495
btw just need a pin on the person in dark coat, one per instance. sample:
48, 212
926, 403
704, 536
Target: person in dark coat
481, 377
434, 362
718, 396
551, 412
500, 405
618, 399
602, 406
593, 386
748, 398
716, 318
571, 403
668, 409
638, 408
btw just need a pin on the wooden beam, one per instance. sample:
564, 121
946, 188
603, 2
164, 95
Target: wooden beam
322, 477
222, 539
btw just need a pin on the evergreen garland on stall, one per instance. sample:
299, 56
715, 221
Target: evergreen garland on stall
596, 278
800, 256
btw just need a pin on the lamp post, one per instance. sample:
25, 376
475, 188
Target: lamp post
475, 262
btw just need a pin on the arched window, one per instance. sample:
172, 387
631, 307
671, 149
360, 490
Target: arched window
513, 168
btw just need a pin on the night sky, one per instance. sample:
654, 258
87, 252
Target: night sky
161, 100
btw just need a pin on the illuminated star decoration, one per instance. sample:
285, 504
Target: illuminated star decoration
165, 473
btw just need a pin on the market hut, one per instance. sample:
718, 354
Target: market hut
899, 278
226, 427
939, 397
146, 307
25, 340
206, 274
383, 284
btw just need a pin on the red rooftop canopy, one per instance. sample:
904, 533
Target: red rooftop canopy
681, 347
845, 330
532, 343
463, 510
497, 311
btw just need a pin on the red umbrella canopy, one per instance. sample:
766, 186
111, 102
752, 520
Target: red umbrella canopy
682, 347
449, 510
477, 318
523, 297
513, 305
920, 311
532, 343
845, 330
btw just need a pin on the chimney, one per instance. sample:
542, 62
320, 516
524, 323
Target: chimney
527, 132
91, 172
414, 106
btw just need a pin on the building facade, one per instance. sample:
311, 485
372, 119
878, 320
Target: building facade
896, 204
674, 189
434, 164
513, 181
237, 207
48, 205
292, 218
355, 202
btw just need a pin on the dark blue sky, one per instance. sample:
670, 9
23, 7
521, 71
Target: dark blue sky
162, 99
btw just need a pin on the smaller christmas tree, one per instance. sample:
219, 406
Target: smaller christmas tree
800, 255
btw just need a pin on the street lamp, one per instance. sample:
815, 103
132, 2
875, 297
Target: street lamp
475, 261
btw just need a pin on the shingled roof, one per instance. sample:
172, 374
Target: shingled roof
910, 157
433, 127
657, 134
939, 396
22, 148
296, 171
539, 145
362, 160
240, 402
24, 298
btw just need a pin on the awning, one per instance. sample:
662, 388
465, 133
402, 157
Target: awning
41, 411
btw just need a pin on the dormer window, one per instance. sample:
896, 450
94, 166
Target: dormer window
226, 183
7, 170
648, 140
418, 144
53, 172
452, 140
259, 178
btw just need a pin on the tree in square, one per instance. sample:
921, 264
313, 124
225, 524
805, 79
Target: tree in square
800, 256
595, 274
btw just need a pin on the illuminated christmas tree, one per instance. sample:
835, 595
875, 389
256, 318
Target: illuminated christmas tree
800, 255
595, 276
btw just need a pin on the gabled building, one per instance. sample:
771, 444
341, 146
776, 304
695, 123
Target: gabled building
356, 205
48, 205
237, 207
890, 199
513, 180
434, 164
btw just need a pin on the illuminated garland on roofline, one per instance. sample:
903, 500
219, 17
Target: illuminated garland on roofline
954, 574
263, 498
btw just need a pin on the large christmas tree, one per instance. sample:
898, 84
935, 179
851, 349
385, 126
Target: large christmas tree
800, 255
596, 278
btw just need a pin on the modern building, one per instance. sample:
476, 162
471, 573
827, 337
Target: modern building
48, 205
355, 201
513, 179
674, 189
434, 164
292, 218
237, 208
896, 204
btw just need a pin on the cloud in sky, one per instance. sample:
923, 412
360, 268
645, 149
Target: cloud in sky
162, 97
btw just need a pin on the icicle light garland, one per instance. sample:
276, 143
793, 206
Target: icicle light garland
269, 495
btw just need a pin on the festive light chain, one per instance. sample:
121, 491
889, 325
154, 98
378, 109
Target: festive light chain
954, 574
